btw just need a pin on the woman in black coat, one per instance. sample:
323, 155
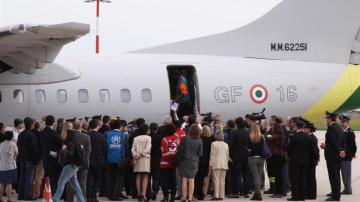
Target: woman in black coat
203, 170
155, 160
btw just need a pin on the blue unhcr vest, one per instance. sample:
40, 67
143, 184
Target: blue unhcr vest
116, 150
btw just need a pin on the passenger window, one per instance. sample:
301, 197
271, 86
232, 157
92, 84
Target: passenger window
18, 96
61, 96
146, 95
125, 95
40, 96
104, 95
83, 96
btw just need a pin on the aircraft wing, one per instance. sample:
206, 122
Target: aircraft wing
26, 48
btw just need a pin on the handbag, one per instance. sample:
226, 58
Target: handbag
124, 161
180, 152
265, 151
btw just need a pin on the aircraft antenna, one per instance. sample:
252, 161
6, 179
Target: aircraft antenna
97, 39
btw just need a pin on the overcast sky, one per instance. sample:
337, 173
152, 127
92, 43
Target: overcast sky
134, 24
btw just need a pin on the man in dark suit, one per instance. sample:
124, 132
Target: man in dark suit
350, 153
334, 150
28, 156
80, 139
50, 144
239, 153
314, 158
97, 160
298, 151
105, 127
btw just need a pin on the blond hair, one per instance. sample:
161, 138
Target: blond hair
206, 131
255, 134
64, 132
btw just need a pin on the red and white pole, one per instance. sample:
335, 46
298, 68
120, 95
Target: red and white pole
97, 43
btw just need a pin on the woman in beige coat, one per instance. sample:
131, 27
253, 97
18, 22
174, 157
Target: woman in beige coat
141, 153
219, 159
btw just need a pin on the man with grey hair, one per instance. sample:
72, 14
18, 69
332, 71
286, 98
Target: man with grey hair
82, 140
167, 120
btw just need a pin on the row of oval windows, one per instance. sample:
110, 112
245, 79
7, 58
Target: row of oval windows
83, 96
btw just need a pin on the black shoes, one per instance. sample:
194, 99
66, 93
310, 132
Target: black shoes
276, 196
143, 198
256, 197
294, 199
233, 196
153, 196
92, 200
124, 197
115, 199
28, 198
332, 199
346, 193
269, 191
165, 200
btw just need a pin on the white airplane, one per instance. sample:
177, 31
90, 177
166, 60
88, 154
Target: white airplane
298, 57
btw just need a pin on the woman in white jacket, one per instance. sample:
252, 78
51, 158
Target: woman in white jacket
141, 149
219, 159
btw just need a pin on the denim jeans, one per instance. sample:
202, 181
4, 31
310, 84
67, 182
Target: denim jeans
256, 165
81, 177
25, 181
69, 174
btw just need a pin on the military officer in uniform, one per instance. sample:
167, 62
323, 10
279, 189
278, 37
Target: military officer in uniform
314, 158
349, 154
334, 150
298, 151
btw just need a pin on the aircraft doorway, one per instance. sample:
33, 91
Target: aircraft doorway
184, 90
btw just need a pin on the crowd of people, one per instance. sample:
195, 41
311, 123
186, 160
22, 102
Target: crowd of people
187, 161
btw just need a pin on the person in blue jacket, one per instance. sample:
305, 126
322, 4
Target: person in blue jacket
116, 159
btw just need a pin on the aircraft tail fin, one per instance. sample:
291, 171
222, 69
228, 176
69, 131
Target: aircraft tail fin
303, 30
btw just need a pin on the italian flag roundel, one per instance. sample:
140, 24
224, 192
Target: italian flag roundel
259, 93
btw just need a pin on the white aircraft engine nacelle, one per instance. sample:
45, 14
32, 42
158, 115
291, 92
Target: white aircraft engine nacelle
18, 29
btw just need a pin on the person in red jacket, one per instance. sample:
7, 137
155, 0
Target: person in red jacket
169, 145
180, 133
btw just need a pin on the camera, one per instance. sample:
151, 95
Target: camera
208, 117
258, 116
